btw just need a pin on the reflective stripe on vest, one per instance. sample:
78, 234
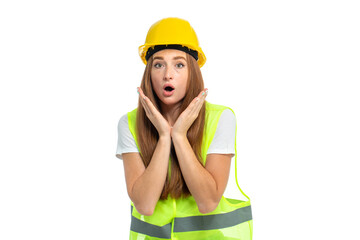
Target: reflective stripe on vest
193, 223
177, 218
149, 229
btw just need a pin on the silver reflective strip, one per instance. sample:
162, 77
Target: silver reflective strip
194, 223
217, 221
150, 229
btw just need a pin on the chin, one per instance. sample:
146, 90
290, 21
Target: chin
170, 101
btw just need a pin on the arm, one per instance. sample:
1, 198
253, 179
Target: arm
144, 185
207, 185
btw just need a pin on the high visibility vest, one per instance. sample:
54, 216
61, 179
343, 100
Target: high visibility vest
180, 218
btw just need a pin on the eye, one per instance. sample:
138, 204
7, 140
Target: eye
157, 65
180, 65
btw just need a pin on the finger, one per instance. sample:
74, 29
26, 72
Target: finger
194, 102
198, 98
141, 98
191, 109
200, 101
142, 94
143, 101
148, 104
202, 95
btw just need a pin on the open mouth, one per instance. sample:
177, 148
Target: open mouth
169, 89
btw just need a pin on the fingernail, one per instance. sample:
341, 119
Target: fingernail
137, 90
203, 93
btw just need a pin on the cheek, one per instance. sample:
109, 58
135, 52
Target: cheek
155, 80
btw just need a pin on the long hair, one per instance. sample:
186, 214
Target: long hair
148, 136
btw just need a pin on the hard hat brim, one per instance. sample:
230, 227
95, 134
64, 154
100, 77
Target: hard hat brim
143, 49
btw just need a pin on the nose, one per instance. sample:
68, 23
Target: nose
169, 73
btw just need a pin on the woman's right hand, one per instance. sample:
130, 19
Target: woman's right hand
156, 118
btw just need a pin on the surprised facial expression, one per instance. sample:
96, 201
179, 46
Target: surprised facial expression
169, 75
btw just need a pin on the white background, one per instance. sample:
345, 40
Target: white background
69, 71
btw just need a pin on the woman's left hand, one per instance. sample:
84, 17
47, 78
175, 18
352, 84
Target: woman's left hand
188, 116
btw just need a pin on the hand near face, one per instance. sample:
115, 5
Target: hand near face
157, 119
188, 116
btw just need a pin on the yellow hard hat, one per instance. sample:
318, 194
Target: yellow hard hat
173, 32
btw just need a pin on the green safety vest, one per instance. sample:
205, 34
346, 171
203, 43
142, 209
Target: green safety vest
180, 218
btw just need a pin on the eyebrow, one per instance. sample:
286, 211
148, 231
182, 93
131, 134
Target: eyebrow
175, 58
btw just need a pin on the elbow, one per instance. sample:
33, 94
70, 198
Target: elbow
144, 209
146, 212
208, 207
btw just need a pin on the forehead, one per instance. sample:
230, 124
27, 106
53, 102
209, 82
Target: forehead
169, 53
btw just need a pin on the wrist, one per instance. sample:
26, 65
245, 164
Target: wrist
178, 136
165, 137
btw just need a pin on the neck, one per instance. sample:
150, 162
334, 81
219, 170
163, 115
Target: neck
171, 112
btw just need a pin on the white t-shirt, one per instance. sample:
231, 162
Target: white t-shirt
223, 141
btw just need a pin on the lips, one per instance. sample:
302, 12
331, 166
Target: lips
168, 87
168, 90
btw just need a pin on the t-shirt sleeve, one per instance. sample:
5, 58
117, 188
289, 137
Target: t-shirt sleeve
224, 138
126, 142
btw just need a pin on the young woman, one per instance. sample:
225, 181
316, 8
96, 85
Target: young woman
176, 147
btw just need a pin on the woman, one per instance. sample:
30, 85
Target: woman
176, 147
